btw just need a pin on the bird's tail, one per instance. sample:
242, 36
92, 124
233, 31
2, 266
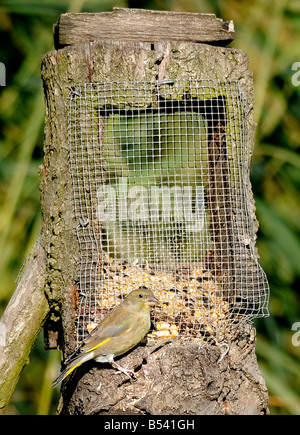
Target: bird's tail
70, 368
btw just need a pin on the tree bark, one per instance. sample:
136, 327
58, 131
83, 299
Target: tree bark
181, 377
21, 323
177, 379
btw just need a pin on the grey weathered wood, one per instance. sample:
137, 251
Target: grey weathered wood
142, 26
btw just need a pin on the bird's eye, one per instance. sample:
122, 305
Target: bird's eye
141, 296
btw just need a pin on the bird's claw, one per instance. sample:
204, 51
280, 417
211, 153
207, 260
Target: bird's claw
125, 370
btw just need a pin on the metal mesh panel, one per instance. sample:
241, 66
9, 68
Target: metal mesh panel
161, 191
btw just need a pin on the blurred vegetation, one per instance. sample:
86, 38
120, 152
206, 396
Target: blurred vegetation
268, 30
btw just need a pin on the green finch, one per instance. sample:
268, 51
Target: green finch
122, 329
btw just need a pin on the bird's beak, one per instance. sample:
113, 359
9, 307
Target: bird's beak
152, 301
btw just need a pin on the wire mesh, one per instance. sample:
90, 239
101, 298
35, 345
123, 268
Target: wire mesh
161, 197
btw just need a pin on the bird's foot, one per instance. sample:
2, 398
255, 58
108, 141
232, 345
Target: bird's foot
128, 372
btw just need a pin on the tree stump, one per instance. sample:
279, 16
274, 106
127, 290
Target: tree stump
179, 378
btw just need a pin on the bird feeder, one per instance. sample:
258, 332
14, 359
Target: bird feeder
156, 132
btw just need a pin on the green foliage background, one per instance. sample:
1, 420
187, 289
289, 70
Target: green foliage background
268, 30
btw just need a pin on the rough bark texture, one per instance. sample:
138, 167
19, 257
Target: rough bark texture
174, 380
178, 378
58, 223
21, 323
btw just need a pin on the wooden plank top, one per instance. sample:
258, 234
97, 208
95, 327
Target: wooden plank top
140, 25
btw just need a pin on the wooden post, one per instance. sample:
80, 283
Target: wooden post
121, 46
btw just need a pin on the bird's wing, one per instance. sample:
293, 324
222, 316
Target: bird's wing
98, 337
102, 334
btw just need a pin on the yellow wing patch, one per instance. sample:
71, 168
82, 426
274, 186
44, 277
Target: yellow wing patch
100, 344
71, 369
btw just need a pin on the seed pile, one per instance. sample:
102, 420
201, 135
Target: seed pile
189, 303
